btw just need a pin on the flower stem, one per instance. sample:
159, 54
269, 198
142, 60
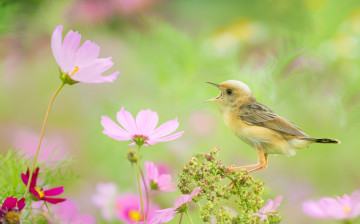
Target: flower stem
138, 179
49, 211
181, 217
41, 137
147, 192
187, 213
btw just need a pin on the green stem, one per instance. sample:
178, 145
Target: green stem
187, 213
138, 179
41, 137
147, 192
49, 211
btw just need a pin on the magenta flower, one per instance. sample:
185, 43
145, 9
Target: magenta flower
39, 193
270, 206
347, 207
142, 130
10, 210
181, 204
157, 181
128, 209
79, 64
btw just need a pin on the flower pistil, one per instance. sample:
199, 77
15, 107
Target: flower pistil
40, 192
75, 70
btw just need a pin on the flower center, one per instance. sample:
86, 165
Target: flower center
154, 185
140, 139
12, 217
40, 192
347, 209
135, 215
75, 70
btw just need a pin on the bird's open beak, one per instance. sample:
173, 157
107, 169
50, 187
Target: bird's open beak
213, 99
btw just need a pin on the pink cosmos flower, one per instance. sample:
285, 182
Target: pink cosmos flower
142, 130
347, 207
270, 206
10, 209
68, 213
39, 193
128, 209
157, 181
105, 199
79, 64
180, 205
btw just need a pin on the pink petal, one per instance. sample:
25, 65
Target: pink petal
54, 191
53, 200
165, 139
109, 78
113, 130
165, 129
151, 170
70, 45
163, 216
311, 208
86, 54
165, 184
127, 121
146, 121
91, 73
56, 40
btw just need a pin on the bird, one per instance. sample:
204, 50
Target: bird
258, 126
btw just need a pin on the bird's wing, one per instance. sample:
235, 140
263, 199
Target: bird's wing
257, 114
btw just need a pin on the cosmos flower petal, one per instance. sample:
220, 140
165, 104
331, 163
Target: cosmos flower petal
127, 121
112, 129
166, 138
56, 40
87, 53
311, 208
165, 129
9, 203
54, 191
53, 200
109, 78
151, 170
163, 216
184, 199
82, 219
146, 121
69, 48
21, 204
165, 184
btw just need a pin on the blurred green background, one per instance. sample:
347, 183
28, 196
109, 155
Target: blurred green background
300, 58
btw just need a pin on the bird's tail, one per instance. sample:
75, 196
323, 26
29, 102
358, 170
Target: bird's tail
323, 140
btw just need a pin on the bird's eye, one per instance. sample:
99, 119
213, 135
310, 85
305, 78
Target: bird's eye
229, 91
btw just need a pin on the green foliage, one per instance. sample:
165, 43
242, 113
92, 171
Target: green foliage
220, 189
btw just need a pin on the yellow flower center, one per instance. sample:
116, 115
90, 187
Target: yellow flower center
12, 217
135, 215
75, 70
40, 192
347, 209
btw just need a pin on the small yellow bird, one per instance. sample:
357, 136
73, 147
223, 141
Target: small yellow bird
259, 126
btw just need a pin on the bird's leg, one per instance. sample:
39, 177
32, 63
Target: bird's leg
263, 162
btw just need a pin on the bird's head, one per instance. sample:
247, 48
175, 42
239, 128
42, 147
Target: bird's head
232, 93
